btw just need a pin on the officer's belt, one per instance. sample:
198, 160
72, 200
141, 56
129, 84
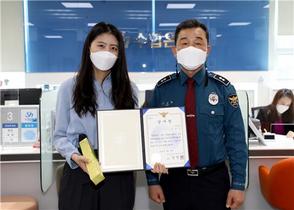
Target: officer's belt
198, 171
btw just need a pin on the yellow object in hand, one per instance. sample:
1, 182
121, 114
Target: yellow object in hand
93, 166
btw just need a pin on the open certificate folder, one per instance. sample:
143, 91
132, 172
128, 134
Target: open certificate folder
137, 139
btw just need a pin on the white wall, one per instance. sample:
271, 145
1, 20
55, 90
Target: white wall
12, 36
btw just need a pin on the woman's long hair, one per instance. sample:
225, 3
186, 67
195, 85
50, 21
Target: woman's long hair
288, 116
84, 95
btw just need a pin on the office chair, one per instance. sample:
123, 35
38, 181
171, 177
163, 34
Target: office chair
277, 184
255, 110
19, 202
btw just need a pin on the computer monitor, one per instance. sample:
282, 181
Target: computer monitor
25, 96
281, 127
9, 95
257, 133
148, 96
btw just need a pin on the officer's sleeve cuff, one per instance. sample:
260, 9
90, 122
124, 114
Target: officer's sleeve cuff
152, 182
238, 186
152, 179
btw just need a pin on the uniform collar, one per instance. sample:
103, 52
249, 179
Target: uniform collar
198, 77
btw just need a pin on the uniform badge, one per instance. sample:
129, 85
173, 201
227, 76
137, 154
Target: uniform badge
213, 98
233, 99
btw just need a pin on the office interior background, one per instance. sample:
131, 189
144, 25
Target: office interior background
41, 42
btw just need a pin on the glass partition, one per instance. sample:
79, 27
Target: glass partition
55, 32
47, 110
244, 106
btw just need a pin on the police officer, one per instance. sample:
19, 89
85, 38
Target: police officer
216, 131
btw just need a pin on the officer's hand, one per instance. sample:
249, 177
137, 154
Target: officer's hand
290, 134
159, 168
235, 199
156, 194
81, 161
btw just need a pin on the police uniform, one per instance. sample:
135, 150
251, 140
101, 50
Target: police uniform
221, 136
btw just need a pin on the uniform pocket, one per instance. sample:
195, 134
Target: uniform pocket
211, 119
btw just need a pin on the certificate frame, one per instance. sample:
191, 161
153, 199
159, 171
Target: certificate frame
116, 139
128, 147
165, 137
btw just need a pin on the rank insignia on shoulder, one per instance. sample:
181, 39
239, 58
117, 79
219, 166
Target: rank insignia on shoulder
219, 78
233, 100
166, 79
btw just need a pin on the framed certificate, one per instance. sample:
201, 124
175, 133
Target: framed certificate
120, 140
165, 137
137, 139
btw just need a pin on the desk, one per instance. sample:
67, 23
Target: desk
26, 153
280, 146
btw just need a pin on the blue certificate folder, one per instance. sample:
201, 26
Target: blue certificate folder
136, 139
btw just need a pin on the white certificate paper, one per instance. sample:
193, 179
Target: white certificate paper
165, 137
120, 140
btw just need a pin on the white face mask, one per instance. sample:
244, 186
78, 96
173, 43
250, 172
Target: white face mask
103, 60
191, 57
282, 108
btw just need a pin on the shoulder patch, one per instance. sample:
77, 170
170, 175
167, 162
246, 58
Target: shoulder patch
233, 100
219, 78
166, 79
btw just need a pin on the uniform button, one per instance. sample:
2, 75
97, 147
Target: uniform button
212, 112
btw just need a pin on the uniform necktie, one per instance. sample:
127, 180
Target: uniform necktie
190, 109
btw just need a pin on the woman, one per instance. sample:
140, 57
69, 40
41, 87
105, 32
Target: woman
101, 83
280, 111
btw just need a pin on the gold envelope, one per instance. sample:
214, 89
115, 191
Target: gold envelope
93, 166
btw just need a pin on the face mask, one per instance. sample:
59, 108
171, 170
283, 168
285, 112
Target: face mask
103, 60
191, 57
282, 108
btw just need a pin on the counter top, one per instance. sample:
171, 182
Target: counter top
280, 146
23, 153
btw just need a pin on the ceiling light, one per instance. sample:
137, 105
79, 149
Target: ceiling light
58, 10
63, 14
77, 5
29, 24
139, 11
53, 37
219, 35
266, 6
91, 24
137, 18
62, 17
127, 28
180, 6
239, 23
139, 15
168, 24
213, 10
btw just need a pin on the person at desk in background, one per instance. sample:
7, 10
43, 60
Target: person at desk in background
281, 110
101, 83
215, 131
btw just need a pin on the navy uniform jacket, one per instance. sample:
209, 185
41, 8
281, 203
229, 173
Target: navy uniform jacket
221, 132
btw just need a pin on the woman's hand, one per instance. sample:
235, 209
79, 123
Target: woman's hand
290, 134
159, 168
81, 161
